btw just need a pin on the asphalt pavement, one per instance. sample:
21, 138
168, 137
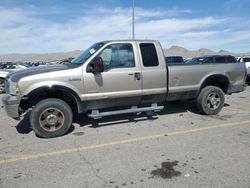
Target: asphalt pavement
178, 147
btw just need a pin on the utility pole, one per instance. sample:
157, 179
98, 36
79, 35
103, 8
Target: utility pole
133, 20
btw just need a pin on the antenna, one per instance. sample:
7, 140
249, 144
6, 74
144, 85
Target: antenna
133, 20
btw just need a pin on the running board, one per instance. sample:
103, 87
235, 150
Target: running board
134, 109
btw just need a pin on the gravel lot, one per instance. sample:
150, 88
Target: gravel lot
176, 148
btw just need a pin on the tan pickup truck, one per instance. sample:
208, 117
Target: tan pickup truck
131, 75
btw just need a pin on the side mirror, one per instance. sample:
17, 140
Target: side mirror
96, 65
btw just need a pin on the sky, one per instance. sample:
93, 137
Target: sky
45, 26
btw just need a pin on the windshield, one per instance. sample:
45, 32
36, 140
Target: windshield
82, 58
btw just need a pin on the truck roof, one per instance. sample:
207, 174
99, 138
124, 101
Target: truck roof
126, 40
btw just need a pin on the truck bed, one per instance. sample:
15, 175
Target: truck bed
185, 80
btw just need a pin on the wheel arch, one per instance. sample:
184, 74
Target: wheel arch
217, 80
56, 91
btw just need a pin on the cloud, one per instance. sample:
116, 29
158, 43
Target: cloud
28, 30
139, 12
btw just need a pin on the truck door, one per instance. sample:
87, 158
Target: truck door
120, 83
154, 73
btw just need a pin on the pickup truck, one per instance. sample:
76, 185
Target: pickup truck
115, 77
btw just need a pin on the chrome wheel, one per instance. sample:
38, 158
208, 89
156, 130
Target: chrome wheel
51, 119
213, 101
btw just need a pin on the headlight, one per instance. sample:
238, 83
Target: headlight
13, 88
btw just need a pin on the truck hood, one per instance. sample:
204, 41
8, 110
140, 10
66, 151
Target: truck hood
17, 75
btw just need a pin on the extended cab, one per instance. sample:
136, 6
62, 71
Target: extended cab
131, 75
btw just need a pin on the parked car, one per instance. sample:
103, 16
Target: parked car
11, 66
195, 60
67, 60
174, 59
129, 74
248, 75
3, 74
213, 59
5, 69
246, 60
187, 59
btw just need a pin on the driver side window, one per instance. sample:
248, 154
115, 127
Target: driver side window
118, 56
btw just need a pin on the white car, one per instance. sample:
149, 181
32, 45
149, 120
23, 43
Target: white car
5, 69
246, 60
3, 74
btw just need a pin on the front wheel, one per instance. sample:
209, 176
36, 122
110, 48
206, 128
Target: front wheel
51, 118
210, 100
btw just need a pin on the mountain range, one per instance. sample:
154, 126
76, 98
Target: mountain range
185, 53
52, 57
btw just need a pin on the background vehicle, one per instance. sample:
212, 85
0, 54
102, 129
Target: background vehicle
34, 64
195, 60
3, 75
5, 69
213, 59
67, 60
248, 75
246, 60
11, 66
174, 59
130, 75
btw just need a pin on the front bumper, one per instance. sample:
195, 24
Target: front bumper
11, 105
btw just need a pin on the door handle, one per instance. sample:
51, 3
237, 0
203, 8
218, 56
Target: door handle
137, 76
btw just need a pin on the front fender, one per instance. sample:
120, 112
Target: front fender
50, 84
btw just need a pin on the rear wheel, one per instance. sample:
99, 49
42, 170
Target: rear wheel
51, 118
2, 85
210, 100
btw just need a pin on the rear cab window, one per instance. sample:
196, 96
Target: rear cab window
149, 55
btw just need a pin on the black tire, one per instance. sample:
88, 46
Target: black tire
2, 85
210, 100
51, 118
